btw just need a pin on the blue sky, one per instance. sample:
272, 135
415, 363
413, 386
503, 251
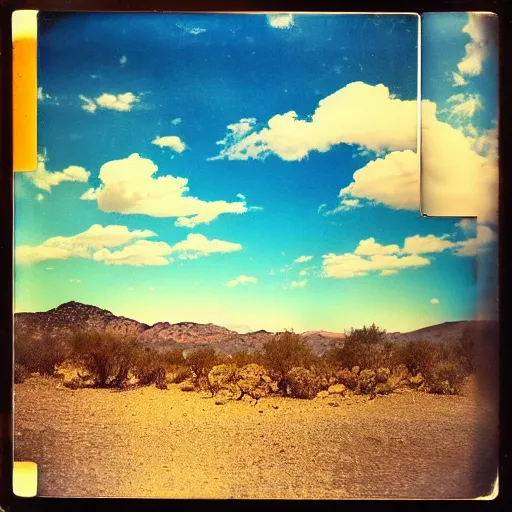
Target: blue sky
251, 171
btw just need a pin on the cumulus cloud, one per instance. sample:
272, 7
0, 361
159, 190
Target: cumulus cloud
43, 96
241, 280
40, 197
485, 236
357, 114
241, 196
196, 245
392, 180
120, 102
459, 173
123, 60
45, 179
176, 121
141, 253
170, 141
299, 284
75, 280
303, 259
426, 244
280, 21
352, 265
434, 301
370, 247
82, 245
481, 28
128, 186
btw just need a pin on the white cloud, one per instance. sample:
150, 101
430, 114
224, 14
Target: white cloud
241, 280
460, 174
426, 244
128, 186
466, 225
241, 196
45, 180
40, 197
49, 268
141, 253
466, 105
321, 207
89, 106
131, 288
196, 245
82, 245
393, 180
280, 21
176, 121
434, 301
190, 29
388, 272
45, 97
458, 80
170, 141
369, 248
123, 60
477, 49
303, 259
75, 280
352, 265
345, 205
299, 284
120, 102
355, 114
473, 246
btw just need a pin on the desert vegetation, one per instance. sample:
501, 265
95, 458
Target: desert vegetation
366, 364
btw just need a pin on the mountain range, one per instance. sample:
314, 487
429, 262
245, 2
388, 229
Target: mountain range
185, 335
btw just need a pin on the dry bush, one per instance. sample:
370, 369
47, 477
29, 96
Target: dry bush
445, 377
149, 368
20, 373
244, 357
365, 347
107, 357
201, 361
285, 351
40, 355
180, 374
302, 383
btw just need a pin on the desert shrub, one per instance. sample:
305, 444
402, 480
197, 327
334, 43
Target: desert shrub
20, 373
149, 368
283, 352
366, 347
302, 383
40, 355
201, 361
417, 356
187, 385
222, 376
464, 350
107, 357
244, 357
173, 357
445, 377
253, 380
179, 374
347, 378
366, 381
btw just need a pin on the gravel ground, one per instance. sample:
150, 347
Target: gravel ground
151, 443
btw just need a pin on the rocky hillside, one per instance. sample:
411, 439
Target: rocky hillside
67, 317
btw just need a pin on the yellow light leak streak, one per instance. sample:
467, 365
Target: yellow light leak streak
24, 90
24, 479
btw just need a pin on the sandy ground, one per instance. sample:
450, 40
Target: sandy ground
151, 443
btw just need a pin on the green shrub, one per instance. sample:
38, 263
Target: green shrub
417, 356
366, 347
285, 351
107, 357
302, 383
40, 355
20, 373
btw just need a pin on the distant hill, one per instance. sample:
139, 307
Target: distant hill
63, 319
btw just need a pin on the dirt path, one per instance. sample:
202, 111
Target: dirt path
151, 443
